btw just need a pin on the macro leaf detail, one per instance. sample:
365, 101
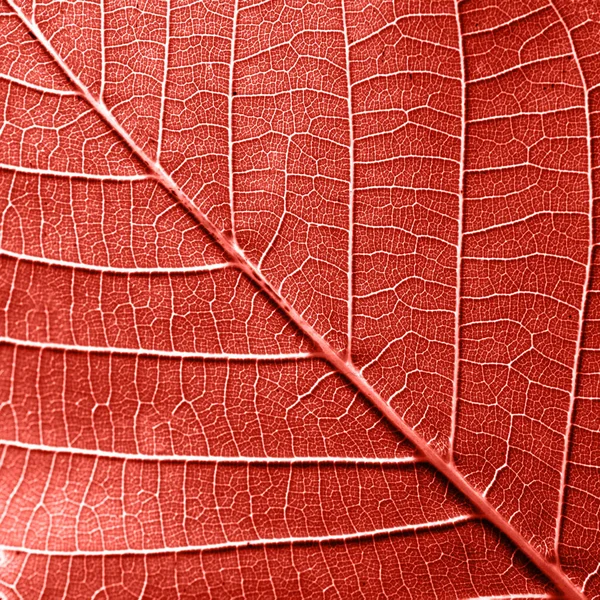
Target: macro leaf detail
300, 299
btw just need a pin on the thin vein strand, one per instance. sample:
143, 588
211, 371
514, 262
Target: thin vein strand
194, 458
318, 539
150, 352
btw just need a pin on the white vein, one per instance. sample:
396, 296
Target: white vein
459, 249
50, 172
163, 93
117, 270
586, 287
350, 280
404, 17
38, 88
275, 460
507, 24
230, 117
523, 65
316, 539
150, 352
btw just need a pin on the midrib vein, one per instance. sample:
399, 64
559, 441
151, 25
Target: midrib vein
344, 368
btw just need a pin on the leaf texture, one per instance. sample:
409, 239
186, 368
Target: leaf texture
299, 299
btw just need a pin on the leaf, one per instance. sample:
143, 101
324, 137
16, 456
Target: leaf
299, 299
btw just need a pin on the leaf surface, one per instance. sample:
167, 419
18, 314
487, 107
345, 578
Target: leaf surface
299, 299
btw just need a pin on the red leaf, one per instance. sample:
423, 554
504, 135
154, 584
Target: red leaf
299, 299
